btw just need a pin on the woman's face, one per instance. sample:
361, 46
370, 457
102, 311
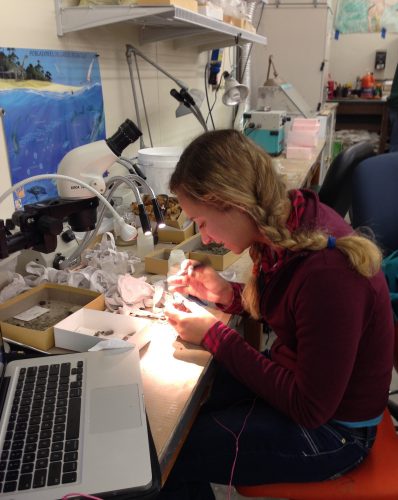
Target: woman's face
232, 227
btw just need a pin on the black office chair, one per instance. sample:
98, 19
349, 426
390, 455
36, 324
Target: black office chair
375, 206
336, 187
375, 199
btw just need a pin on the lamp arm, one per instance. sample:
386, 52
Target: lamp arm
137, 114
196, 111
130, 49
271, 64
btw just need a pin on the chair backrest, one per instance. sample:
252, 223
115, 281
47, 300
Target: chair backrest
336, 187
375, 199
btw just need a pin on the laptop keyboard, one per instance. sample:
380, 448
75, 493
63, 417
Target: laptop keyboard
42, 438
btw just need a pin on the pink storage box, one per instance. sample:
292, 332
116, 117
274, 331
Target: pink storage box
299, 153
307, 138
306, 123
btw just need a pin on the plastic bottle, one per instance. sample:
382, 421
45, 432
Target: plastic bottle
367, 85
145, 243
176, 257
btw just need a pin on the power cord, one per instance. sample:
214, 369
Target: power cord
236, 436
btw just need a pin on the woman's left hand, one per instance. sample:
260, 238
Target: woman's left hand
190, 320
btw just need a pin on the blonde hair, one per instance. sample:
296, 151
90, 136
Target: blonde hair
226, 169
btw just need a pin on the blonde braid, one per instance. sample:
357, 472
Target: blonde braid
364, 256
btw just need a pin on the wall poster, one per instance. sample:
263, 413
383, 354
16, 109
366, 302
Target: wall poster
366, 16
52, 102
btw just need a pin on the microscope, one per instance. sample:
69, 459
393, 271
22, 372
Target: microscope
40, 223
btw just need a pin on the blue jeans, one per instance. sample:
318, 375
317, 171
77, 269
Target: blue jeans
272, 448
393, 130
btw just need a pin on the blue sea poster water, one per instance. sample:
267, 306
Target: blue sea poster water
53, 103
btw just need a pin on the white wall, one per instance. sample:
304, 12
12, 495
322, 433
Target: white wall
31, 24
354, 54
297, 39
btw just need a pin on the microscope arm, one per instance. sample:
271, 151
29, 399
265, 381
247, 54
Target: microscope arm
112, 184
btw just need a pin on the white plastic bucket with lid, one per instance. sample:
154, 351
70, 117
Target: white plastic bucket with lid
157, 165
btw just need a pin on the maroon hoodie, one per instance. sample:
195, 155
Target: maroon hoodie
332, 358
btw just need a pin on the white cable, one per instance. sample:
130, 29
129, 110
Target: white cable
124, 227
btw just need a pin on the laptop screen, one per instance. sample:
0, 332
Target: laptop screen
2, 356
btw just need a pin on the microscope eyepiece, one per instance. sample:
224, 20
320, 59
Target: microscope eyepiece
126, 134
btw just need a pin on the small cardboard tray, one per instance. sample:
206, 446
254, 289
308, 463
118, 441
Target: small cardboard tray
156, 262
47, 296
178, 223
173, 235
85, 328
218, 262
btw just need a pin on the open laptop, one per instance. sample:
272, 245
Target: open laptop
73, 423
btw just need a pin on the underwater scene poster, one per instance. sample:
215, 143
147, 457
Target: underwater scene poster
52, 103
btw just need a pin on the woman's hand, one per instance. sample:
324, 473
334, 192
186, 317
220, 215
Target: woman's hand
190, 320
202, 281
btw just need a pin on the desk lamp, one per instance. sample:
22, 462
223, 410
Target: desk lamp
189, 100
278, 94
235, 92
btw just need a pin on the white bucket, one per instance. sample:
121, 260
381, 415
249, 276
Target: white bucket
157, 165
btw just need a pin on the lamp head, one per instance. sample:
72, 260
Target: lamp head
124, 230
235, 92
182, 109
273, 82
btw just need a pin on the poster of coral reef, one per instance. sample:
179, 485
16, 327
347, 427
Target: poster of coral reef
366, 16
52, 102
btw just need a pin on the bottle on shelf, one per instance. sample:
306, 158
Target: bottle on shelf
368, 85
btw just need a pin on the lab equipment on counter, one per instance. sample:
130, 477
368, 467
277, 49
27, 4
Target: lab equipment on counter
302, 138
284, 96
81, 172
267, 129
41, 223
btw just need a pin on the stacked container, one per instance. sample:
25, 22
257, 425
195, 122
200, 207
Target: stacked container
302, 138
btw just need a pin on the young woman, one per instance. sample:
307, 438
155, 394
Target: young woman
308, 409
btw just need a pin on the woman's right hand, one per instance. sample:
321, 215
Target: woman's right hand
202, 281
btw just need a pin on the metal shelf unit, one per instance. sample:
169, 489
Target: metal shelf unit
156, 23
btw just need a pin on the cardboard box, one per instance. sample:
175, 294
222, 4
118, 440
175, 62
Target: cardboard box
178, 223
169, 205
212, 11
77, 331
173, 235
185, 4
157, 262
235, 21
41, 297
218, 262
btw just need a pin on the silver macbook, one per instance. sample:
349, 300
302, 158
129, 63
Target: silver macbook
73, 423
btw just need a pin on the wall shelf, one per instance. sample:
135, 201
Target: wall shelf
156, 24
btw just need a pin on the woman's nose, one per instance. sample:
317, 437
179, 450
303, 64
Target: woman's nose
205, 237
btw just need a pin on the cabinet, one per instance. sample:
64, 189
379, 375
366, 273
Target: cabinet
364, 114
157, 23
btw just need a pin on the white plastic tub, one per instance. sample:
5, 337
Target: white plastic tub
158, 164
